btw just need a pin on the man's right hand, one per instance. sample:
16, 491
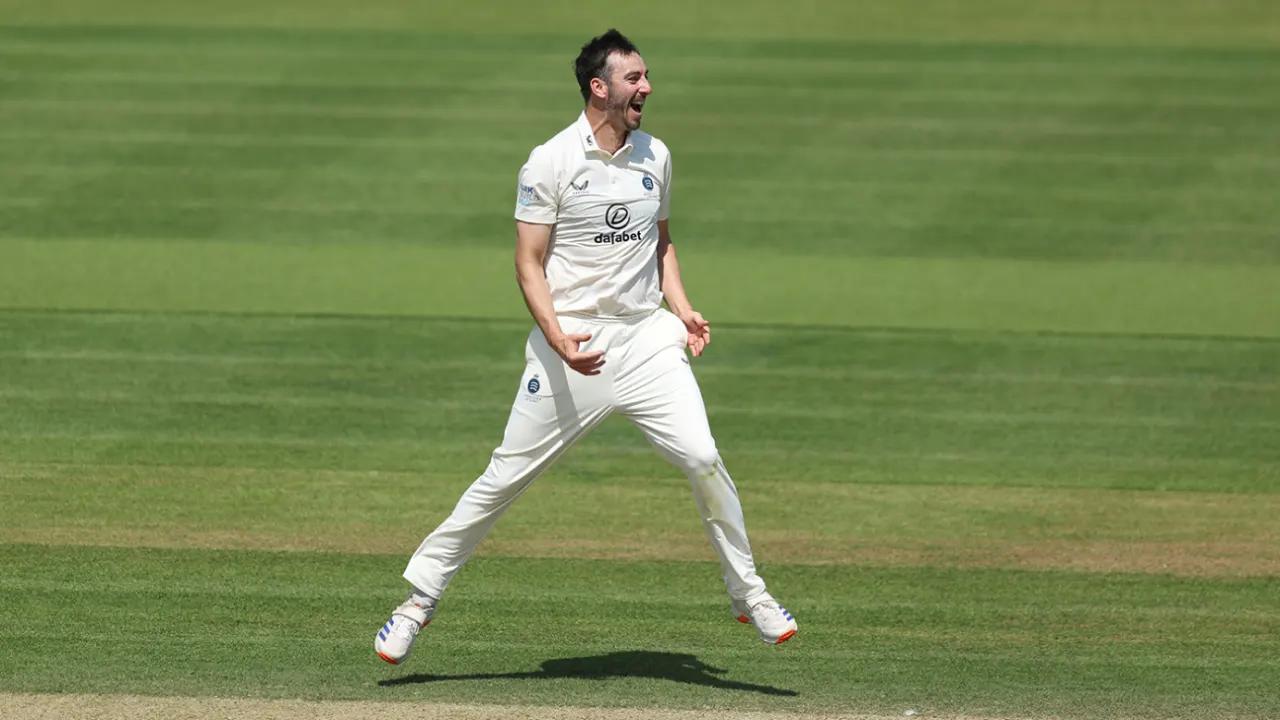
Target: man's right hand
587, 363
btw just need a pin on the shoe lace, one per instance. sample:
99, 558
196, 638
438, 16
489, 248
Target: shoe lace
407, 628
765, 611
770, 605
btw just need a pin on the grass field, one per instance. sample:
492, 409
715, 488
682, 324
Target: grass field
995, 369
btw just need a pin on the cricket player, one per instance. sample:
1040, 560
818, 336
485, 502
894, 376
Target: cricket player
595, 261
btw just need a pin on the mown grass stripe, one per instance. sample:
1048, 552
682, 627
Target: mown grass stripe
427, 209
847, 373
1055, 224
1002, 337
939, 56
628, 443
833, 71
1117, 192
145, 397
106, 471
1047, 96
936, 129
999, 156
1083, 296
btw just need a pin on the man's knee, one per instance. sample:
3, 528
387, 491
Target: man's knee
702, 460
504, 476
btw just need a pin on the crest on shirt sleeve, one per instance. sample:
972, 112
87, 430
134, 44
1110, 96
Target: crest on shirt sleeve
526, 196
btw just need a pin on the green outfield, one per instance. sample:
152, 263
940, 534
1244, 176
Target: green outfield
996, 297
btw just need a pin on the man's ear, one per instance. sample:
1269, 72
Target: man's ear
599, 88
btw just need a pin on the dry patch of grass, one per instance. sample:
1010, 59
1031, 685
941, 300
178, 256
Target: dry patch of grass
1185, 559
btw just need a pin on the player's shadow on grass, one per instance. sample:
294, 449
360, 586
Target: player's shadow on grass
677, 667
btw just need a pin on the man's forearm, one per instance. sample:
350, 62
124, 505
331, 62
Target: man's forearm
532, 242
672, 286
532, 280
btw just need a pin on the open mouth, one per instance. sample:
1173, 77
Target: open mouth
638, 107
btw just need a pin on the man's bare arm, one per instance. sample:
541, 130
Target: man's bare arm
532, 241
673, 290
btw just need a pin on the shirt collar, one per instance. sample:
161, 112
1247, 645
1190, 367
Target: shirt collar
588, 138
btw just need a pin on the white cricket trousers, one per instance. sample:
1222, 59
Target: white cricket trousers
647, 378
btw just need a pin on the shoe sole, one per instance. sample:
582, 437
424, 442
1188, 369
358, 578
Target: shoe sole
388, 658
784, 637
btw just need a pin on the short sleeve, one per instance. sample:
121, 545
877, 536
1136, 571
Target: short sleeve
537, 198
664, 204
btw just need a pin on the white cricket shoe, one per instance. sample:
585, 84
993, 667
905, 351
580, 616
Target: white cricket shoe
774, 622
395, 638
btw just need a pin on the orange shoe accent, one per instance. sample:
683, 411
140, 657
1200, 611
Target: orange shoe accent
786, 636
744, 619
396, 662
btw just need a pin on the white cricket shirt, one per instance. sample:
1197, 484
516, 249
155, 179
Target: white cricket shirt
602, 261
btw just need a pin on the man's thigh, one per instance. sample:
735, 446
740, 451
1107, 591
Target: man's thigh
661, 396
552, 402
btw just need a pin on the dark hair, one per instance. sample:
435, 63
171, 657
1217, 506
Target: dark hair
594, 58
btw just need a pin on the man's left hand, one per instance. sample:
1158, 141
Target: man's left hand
699, 331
